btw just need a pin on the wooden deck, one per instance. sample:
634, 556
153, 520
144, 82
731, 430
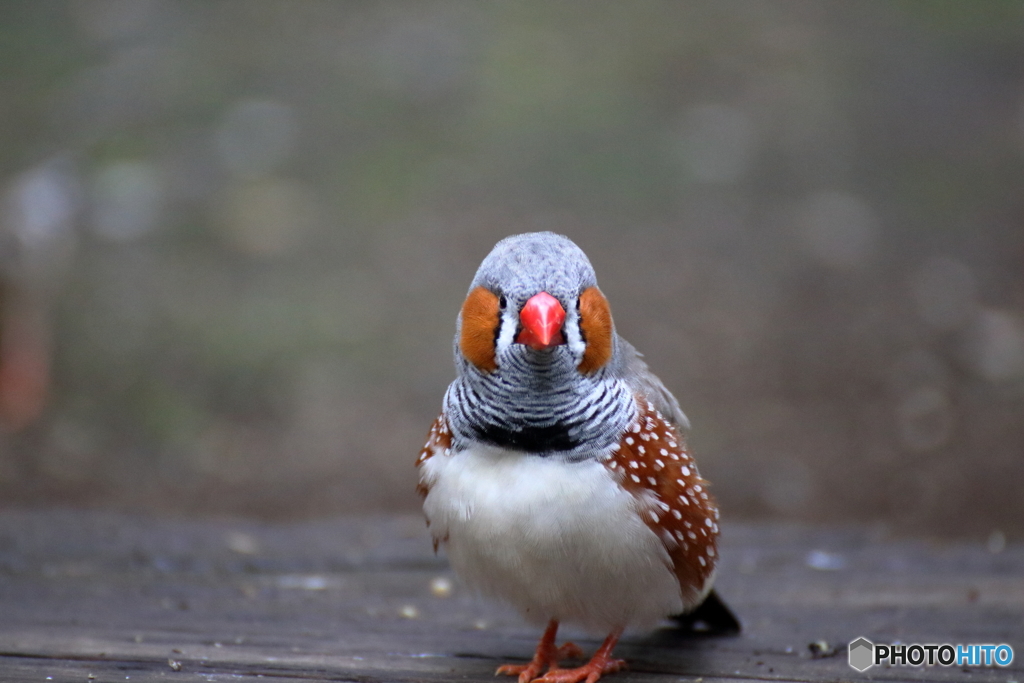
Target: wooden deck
104, 597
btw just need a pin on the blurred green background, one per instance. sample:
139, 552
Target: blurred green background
234, 237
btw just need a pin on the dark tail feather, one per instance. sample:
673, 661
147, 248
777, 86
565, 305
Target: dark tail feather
711, 617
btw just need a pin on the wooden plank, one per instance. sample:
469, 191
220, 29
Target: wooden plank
133, 598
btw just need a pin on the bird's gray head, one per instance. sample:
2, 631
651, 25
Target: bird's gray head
534, 301
523, 265
535, 343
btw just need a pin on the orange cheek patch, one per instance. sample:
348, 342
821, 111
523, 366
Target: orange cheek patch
596, 326
480, 320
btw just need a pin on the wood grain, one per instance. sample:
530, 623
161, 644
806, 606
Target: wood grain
122, 597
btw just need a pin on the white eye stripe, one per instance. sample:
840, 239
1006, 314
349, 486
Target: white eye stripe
571, 329
506, 330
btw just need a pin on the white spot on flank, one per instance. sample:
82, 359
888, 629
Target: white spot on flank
664, 452
711, 551
707, 521
641, 449
674, 456
659, 463
654, 516
687, 523
679, 534
680, 482
629, 440
652, 481
632, 463
702, 562
636, 428
686, 471
677, 514
691, 535
682, 499
673, 444
696, 488
664, 506
635, 478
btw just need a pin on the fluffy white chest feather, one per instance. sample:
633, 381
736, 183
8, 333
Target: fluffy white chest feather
556, 540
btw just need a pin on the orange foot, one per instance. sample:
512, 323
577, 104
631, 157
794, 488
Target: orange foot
547, 656
601, 663
591, 671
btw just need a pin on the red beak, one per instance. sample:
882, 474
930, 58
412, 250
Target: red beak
542, 317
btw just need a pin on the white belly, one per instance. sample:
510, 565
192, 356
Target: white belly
555, 540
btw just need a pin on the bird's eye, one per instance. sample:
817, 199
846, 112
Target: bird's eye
502, 302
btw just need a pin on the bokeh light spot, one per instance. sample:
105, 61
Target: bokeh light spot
256, 136
945, 293
838, 229
128, 199
717, 143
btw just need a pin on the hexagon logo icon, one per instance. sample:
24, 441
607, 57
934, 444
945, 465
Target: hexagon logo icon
862, 654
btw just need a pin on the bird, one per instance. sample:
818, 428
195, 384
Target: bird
556, 475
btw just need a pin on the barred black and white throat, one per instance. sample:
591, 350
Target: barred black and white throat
570, 396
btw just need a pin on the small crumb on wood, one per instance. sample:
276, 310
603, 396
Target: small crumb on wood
241, 543
996, 542
441, 587
820, 649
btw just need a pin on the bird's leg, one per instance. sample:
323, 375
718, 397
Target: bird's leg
547, 656
601, 663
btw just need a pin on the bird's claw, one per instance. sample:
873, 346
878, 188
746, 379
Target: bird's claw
589, 672
530, 672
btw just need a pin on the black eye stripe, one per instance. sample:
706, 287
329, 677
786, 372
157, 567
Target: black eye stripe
579, 321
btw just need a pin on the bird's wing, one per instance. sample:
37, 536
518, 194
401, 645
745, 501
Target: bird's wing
439, 440
645, 383
653, 464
